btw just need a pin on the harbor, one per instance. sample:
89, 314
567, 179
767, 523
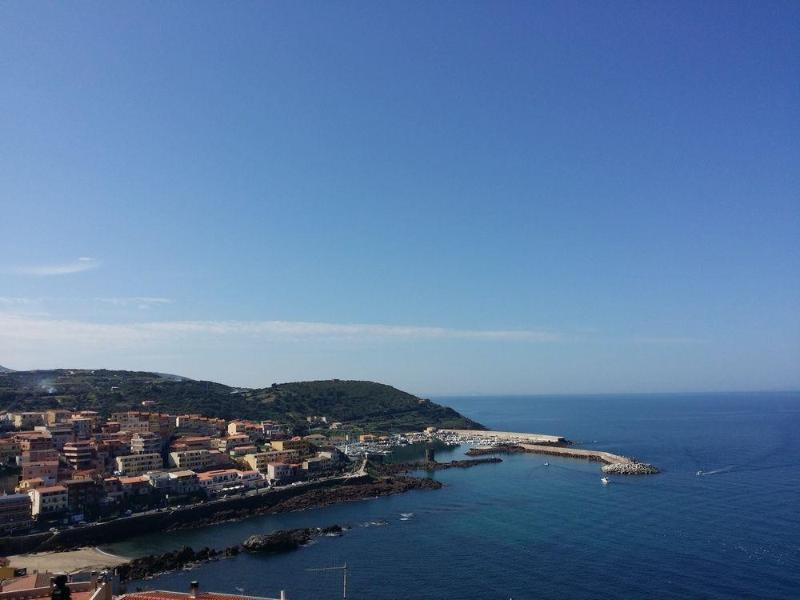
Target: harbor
496, 442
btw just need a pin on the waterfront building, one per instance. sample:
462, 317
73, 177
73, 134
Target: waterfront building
193, 460
15, 513
260, 460
316, 464
216, 482
145, 442
83, 497
136, 464
281, 472
136, 489
48, 501
183, 482
174, 483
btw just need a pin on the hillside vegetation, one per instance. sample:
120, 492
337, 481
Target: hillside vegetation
364, 404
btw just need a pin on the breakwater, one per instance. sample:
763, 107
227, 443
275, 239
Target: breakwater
510, 443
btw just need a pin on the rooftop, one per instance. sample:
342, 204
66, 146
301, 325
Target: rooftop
166, 595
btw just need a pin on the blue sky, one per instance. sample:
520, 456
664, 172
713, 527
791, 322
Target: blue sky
451, 197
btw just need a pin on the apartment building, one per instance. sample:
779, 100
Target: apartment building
136, 464
46, 471
302, 446
48, 501
281, 472
145, 442
80, 455
194, 460
27, 420
200, 425
260, 460
15, 513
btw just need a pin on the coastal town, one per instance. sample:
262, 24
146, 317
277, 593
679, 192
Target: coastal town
71, 469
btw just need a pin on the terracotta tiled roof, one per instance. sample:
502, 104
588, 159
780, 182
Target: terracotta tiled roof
52, 488
163, 595
27, 582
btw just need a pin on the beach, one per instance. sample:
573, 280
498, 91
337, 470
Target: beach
82, 559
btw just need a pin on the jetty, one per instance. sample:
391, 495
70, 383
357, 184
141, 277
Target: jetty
614, 463
508, 442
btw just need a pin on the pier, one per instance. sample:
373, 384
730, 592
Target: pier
537, 443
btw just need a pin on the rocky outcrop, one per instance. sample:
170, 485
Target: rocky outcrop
498, 449
146, 566
272, 543
433, 465
286, 539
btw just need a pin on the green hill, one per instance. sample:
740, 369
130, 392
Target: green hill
364, 404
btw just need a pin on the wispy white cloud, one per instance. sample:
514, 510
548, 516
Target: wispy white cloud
84, 263
658, 340
141, 302
23, 327
18, 301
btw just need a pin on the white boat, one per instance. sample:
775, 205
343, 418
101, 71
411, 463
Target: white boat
546, 464
604, 480
699, 473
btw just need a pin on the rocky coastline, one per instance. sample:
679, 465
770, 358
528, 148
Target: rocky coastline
272, 543
498, 449
432, 465
318, 498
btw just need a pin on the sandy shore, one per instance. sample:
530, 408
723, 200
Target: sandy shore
67, 562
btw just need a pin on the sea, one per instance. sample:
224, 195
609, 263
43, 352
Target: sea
522, 530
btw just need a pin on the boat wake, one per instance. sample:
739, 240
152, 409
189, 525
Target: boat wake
378, 523
727, 469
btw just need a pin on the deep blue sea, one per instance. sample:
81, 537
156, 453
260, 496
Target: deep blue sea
522, 530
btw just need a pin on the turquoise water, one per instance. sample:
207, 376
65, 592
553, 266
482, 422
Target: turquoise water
522, 530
